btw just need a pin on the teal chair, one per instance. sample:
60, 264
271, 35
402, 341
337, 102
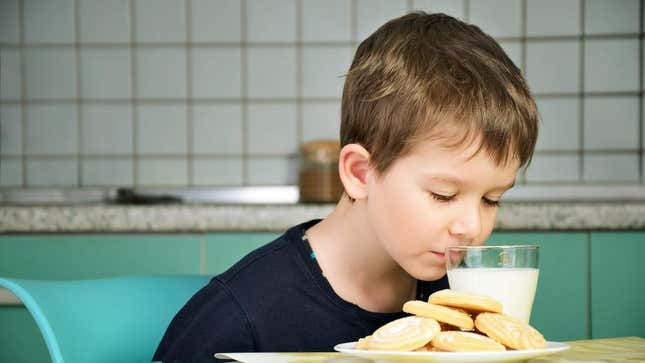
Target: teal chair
118, 319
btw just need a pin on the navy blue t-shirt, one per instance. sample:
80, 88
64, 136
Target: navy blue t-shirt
274, 299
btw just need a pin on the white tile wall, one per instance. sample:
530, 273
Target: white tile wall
107, 129
499, 18
265, 78
161, 73
611, 16
161, 129
272, 129
271, 171
220, 171
271, 72
50, 21
271, 20
324, 70
51, 129
10, 74
106, 73
50, 73
217, 129
552, 17
611, 123
451, 7
611, 167
160, 21
217, 72
104, 21
326, 20
611, 65
107, 173
371, 14
9, 24
559, 124
216, 20
162, 172
10, 130
59, 172
553, 168
553, 66
10, 173
321, 121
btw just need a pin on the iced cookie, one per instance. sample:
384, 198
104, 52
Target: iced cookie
509, 331
466, 301
404, 334
440, 313
457, 341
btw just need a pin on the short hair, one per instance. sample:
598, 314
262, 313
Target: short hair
421, 71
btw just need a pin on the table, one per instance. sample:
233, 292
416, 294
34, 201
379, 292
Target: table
625, 349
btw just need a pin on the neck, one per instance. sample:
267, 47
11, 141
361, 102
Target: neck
355, 263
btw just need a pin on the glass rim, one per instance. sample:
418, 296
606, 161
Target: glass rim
463, 248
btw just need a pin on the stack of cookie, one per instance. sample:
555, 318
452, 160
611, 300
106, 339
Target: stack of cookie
453, 321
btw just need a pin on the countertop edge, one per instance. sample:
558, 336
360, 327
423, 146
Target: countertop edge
275, 218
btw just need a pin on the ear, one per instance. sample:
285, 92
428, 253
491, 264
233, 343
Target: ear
353, 167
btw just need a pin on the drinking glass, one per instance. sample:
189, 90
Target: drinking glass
508, 274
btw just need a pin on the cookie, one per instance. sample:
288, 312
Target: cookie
440, 313
465, 301
404, 334
458, 341
509, 331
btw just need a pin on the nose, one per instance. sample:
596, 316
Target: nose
467, 223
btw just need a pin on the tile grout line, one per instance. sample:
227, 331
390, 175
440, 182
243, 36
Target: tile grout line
189, 93
467, 10
245, 91
640, 88
581, 99
79, 103
23, 92
300, 82
134, 93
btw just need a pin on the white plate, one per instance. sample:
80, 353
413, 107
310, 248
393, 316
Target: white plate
479, 357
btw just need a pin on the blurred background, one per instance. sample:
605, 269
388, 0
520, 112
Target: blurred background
209, 93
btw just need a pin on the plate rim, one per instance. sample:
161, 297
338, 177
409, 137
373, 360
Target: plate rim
558, 347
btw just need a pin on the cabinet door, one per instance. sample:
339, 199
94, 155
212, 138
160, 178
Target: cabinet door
561, 308
59, 256
617, 284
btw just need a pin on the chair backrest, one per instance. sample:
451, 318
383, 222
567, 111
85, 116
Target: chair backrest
118, 319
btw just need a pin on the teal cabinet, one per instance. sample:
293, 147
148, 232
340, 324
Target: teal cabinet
98, 255
617, 284
59, 256
561, 309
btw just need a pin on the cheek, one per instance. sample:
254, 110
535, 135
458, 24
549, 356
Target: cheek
399, 218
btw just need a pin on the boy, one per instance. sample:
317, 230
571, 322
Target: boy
435, 123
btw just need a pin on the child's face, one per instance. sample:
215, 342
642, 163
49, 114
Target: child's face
433, 198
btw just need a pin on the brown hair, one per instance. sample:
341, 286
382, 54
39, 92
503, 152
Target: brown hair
421, 71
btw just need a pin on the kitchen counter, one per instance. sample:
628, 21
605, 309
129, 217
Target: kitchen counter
548, 216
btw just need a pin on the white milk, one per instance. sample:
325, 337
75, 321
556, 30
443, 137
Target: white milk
513, 287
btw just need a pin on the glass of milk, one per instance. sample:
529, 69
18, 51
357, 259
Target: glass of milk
508, 274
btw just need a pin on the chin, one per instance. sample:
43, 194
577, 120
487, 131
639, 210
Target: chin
432, 275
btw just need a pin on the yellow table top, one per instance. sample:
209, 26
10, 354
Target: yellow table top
626, 349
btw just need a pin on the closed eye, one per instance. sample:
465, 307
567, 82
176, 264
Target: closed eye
441, 197
491, 203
